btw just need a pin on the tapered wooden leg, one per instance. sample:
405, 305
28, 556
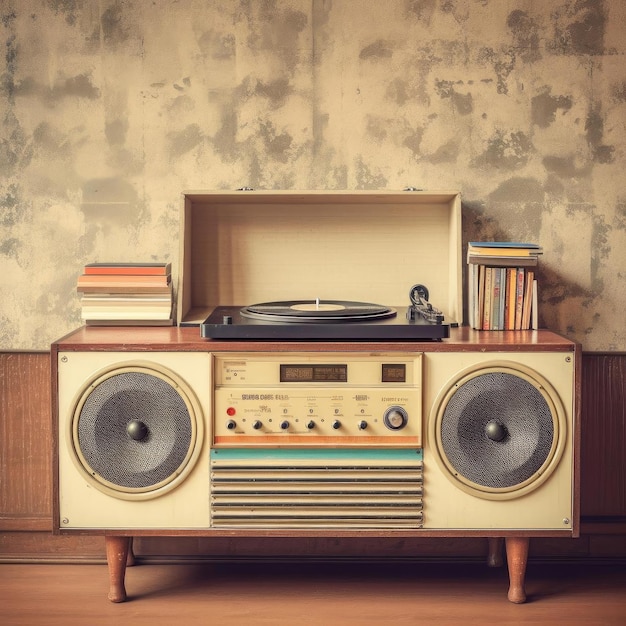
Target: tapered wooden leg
517, 558
117, 555
130, 559
495, 551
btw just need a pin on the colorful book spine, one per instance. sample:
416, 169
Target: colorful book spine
126, 293
503, 288
127, 269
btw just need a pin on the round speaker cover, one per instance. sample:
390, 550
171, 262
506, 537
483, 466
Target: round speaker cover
498, 431
134, 430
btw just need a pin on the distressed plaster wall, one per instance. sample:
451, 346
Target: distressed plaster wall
110, 108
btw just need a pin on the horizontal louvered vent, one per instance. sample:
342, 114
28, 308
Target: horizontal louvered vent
350, 492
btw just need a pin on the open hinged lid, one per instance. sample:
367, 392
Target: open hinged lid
245, 247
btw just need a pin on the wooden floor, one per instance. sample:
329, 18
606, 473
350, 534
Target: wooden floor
367, 594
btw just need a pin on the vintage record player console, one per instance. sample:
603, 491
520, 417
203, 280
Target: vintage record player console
231, 424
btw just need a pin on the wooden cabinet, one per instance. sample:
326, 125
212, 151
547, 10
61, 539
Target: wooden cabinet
26, 480
25, 442
603, 457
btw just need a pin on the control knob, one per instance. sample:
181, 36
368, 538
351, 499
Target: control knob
257, 425
395, 418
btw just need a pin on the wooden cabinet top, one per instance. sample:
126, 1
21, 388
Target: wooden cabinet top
462, 339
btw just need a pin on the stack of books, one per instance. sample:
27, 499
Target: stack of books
126, 294
502, 285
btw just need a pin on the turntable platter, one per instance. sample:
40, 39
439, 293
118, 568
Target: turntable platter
316, 311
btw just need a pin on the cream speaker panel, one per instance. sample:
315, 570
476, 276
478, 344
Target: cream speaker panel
499, 441
133, 433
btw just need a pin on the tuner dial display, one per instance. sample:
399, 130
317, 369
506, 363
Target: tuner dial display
317, 399
395, 418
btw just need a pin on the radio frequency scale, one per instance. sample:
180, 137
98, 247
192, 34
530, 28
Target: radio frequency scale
317, 400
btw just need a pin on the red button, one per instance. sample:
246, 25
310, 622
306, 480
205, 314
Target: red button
231, 411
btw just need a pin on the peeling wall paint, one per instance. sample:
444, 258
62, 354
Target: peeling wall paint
110, 109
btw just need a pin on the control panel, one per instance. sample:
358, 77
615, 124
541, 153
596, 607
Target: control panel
317, 399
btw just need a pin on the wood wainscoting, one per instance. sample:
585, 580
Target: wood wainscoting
26, 485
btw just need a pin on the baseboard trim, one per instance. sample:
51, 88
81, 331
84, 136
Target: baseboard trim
310, 560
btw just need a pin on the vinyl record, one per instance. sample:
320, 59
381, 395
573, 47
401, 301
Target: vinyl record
316, 311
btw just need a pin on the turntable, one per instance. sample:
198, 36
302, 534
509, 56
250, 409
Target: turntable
329, 320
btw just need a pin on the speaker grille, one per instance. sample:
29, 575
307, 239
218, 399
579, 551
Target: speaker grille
111, 454
325, 488
512, 403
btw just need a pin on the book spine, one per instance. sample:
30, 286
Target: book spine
488, 299
480, 250
519, 298
503, 261
472, 293
495, 310
112, 270
126, 315
122, 289
481, 295
511, 286
502, 321
527, 300
107, 279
